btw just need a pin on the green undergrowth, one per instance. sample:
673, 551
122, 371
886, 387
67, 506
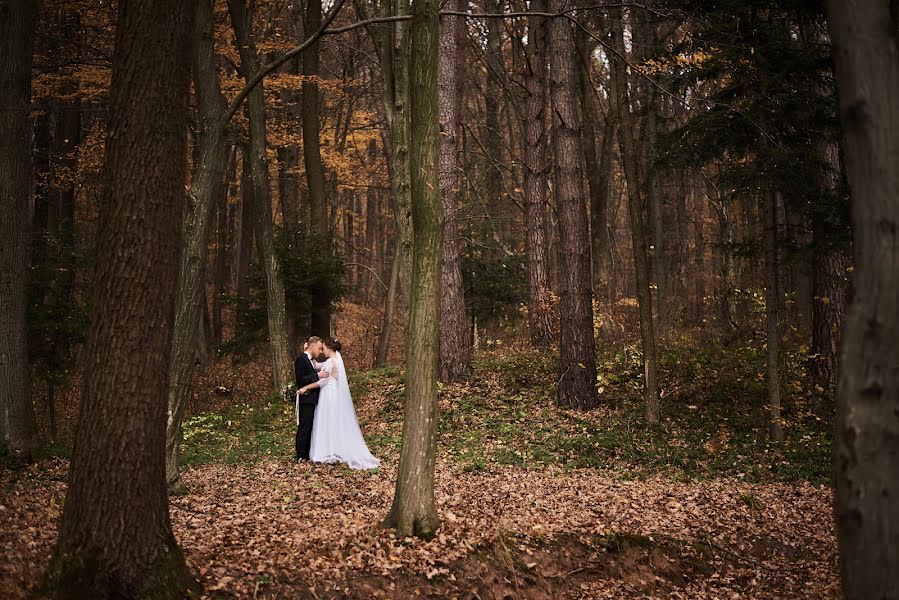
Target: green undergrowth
714, 419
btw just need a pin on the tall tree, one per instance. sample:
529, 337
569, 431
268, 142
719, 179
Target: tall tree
115, 538
17, 426
392, 46
315, 172
629, 158
207, 185
539, 304
577, 355
867, 448
413, 511
455, 351
282, 366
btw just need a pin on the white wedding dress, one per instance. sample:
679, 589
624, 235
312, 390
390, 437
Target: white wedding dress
336, 436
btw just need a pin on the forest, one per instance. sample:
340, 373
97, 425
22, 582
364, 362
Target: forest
616, 285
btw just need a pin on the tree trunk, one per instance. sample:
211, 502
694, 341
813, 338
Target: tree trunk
282, 366
829, 264
223, 227
18, 431
115, 538
498, 208
867, 445
315, 171
598, 196
455, 351
245, 237
389, 312
539, 294
207, 185
577, 355
392, 46
639, 244
772, 314
413, 511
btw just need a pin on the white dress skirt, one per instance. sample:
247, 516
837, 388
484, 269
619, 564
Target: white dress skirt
336, 436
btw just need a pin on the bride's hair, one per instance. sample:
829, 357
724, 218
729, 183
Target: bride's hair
333, 344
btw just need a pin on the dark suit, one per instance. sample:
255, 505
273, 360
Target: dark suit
305, 374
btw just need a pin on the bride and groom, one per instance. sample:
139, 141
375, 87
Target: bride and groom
327, 430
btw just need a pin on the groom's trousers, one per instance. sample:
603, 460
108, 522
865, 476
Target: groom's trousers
304, 431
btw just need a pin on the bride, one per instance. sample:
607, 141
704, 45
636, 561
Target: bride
336, 436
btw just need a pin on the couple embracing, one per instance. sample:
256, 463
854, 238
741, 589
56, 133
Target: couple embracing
327, 430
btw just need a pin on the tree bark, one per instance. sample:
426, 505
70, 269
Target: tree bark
389, 312
18, 432
577, 355
867, 446
772, 314
639, 244
455, 350
539, 294
207, 184
282, 366
413, 511
115, 538
223, 246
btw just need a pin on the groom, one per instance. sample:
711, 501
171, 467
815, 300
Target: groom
306, 373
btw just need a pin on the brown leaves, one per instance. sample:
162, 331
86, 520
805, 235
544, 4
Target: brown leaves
279, 529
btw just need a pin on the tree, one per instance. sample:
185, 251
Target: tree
17, 427
639, 244
282, 366
455, 350
539, 304
392, 47
866, 466
577, 355
115, 538
315, 173
413, 511
207, 185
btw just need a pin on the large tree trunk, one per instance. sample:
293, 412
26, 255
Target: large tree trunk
413, 511
577, 355
772, 313
639, 244
455, 351
115, 538
206, 186
282, 366
18, 431
315, 171
539, 295
867, 448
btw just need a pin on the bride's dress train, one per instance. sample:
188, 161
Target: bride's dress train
336, 436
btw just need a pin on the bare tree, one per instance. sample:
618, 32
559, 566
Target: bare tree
867, 445
639, 243
207, 185
282, 366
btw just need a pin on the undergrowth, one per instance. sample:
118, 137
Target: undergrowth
714, 419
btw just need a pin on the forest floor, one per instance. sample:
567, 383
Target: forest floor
535, 501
